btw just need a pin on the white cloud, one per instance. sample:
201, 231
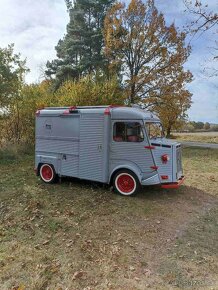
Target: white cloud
35, 27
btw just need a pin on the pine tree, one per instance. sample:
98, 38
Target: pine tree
80, 51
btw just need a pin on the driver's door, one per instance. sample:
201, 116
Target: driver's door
130, 144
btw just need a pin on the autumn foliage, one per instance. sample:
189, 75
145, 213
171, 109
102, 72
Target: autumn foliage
17, 124
150, 56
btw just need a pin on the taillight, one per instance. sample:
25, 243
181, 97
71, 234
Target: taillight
164, 177
165, 158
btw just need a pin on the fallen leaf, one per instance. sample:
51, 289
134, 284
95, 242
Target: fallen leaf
147, 272
46, 242
131, 268
78, 274
212, 178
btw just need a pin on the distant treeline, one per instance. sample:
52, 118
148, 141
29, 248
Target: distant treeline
193, 126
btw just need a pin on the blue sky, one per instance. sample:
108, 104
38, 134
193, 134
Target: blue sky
203, 88
36, 26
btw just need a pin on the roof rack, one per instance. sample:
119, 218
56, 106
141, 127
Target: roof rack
92, 107
78, 107
55, 108
74, 109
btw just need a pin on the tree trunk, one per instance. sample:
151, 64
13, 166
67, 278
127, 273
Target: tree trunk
132, 94
168, 131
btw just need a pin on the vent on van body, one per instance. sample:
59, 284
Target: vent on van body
179, 159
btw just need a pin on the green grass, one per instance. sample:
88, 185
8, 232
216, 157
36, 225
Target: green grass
81, 235
201, 169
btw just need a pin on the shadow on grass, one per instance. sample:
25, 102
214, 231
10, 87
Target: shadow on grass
151, 193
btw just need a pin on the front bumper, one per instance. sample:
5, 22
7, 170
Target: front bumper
174, 184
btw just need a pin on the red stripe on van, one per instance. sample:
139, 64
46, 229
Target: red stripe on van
154, 167
149, 147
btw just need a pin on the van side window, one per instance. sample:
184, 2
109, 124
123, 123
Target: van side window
128, 132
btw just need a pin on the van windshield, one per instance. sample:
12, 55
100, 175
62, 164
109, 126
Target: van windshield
154, 130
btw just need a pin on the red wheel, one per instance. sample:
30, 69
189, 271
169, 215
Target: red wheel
47, 173
126, 182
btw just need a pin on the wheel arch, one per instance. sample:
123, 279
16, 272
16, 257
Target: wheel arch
41, 159
131, 168
38, 168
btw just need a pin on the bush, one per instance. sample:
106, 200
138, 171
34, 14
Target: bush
13, 152
90, 92
215, 128
18, 123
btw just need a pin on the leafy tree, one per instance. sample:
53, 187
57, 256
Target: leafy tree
215, 128
172, 101
151, 57
188, 127
197, 125
138, 40
19, 122
172, 109
12, 72
207, 126
80, 51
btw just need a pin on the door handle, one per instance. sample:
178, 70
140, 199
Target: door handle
99, 147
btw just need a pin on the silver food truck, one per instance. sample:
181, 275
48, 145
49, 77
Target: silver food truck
118, 145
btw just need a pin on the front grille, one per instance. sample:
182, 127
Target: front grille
179, 159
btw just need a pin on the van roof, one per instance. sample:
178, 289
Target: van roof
116, 112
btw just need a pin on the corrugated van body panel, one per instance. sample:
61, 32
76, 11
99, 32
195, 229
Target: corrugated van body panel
134, 152
164, 168
91, 149
58, 137
178, 161
70, 166
55, 145
59, 126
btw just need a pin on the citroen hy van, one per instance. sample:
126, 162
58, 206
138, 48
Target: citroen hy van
122, 146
